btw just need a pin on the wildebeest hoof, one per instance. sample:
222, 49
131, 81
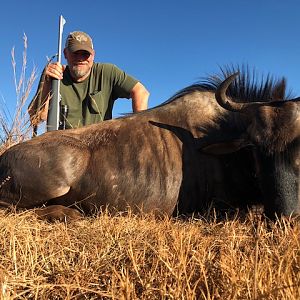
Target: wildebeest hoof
58, 213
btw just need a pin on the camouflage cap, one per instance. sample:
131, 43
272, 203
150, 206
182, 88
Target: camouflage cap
78, 40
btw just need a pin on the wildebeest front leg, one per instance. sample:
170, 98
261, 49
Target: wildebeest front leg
58, 213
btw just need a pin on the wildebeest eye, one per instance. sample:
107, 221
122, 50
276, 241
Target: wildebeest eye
294, 156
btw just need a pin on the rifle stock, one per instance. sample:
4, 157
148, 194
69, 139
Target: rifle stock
53, 112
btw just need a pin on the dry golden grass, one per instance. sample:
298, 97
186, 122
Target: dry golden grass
128, 257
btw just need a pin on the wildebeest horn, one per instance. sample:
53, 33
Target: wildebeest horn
230, 105
226, 102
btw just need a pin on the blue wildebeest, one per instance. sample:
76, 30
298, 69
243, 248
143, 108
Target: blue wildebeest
162, 160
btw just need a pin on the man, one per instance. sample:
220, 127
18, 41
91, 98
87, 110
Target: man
88, 89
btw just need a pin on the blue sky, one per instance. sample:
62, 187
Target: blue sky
167, 44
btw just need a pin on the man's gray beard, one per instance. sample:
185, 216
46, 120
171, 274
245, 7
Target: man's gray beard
79, 73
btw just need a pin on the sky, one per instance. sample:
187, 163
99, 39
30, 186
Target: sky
166, 44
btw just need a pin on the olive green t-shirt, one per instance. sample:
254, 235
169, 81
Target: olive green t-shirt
92, 100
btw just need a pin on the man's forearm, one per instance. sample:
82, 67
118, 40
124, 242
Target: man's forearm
38, 108
140, 96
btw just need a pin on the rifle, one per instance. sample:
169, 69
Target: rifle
54, 110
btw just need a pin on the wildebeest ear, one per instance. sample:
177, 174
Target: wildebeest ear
279, 90
225, 147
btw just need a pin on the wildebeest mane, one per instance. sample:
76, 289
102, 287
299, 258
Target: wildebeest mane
248, 86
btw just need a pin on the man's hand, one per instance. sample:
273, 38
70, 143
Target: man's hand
52, 71
55, 70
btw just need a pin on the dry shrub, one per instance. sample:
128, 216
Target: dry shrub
128, 257
15, 128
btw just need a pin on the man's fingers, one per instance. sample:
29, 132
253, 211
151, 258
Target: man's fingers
55, 70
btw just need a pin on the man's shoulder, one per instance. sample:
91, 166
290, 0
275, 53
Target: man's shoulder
105, 66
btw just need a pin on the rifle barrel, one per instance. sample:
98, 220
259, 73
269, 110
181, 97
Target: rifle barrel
53, 112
